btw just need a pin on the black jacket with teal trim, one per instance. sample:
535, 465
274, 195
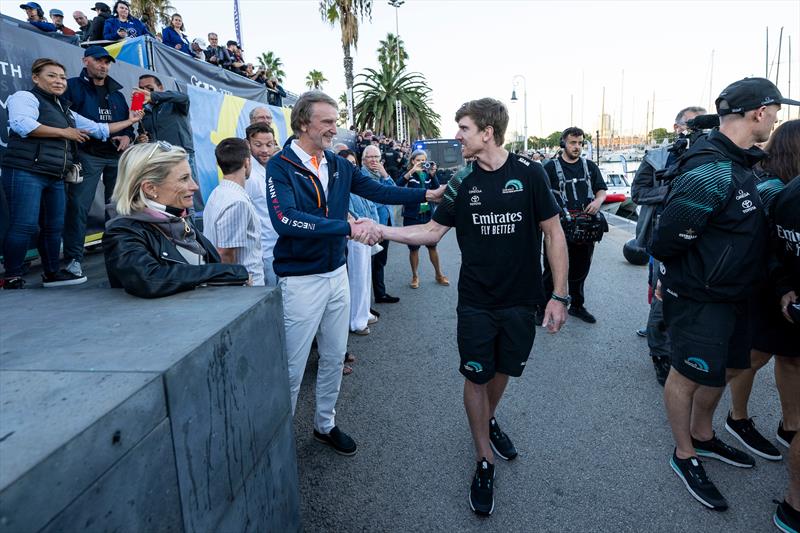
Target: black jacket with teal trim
312, 225
712, 235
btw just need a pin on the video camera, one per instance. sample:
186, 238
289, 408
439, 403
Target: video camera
698, 128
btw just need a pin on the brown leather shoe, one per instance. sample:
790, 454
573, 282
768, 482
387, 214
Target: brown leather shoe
442, 280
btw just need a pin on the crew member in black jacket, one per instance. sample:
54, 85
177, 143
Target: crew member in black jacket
96, 96
711, 239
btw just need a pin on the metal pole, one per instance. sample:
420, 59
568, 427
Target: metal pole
525, 107
780, 45
766, 57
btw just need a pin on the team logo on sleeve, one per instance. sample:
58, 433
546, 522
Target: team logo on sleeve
512, 186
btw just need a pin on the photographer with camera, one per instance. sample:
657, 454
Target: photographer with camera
711, 239
418, 177
580, 190
649, 191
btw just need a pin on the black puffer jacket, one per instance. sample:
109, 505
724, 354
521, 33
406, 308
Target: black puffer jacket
140, 259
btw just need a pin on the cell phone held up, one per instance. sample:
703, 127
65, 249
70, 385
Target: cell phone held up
137, 101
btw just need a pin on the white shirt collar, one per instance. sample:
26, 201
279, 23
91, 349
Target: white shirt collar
304, 157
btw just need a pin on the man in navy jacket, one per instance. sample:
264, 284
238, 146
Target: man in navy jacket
308, 193
96, 96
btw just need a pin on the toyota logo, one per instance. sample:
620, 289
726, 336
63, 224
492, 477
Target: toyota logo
747, 204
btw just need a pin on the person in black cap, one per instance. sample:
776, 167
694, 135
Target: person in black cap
96, 96
711, 239
36, 16
99, 22
237, 61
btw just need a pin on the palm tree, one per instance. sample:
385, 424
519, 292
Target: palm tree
152, 11
388, 51
348, 13
377, 92
272, 64
315, 79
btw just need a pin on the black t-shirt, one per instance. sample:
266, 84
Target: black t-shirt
574, 171
496, 216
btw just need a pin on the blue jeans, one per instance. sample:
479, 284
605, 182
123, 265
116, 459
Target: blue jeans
35, 205
80, 197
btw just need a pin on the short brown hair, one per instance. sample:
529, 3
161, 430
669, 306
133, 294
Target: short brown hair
254, 129
486, 112
42, 62
303, 109
783, 151
231, 154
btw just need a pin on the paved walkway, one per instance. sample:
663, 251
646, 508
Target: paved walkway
587, 418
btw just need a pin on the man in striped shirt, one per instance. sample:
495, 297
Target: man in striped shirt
229, 219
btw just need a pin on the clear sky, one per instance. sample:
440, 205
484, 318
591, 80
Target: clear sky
567, 51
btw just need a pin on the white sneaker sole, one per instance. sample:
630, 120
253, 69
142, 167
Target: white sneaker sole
752, 450
498, 454
780, 525
782, 441
688, 488
711, 455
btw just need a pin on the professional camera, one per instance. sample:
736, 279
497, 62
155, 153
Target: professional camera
428, 164
697, 129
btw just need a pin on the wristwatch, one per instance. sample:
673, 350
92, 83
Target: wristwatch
563, 299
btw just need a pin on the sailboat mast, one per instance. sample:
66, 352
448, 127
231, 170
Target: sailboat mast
780, 45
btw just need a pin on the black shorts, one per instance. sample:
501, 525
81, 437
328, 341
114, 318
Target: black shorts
707, 338
772, 333
494, 340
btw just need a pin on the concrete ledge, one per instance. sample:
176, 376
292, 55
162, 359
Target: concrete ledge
114, 400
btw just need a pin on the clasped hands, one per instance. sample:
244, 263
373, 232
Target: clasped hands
366, 231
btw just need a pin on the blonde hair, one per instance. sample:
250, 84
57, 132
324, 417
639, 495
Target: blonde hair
140, 163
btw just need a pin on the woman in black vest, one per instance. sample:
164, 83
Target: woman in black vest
41, 151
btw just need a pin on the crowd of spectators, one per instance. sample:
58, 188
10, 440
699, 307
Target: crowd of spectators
117, 23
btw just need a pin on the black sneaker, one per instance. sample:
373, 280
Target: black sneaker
662, 365
745, 432
694, 476
785, 436
62, 278
716, 449
501, 444
15, 282
338, 440
481, 493
582, 313
386, 299
787, 518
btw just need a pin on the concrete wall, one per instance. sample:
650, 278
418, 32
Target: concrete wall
124, 414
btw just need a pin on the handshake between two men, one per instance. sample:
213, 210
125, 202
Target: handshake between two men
367, 231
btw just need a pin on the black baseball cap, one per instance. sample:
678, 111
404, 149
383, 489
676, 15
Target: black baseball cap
98, 52
100, 6
747, 94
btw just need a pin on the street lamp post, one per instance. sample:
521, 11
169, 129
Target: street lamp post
524, 103
398, 106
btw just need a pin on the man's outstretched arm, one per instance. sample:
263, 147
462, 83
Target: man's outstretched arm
555, 313
420, 234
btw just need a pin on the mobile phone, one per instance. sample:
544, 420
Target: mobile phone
137, 101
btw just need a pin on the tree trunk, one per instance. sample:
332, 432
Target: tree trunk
348, 80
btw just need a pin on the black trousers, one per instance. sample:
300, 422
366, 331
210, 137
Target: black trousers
580, 261
378, 263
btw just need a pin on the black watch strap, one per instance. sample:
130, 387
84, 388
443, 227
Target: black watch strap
563, 299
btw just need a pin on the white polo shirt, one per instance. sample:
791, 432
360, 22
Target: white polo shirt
256, 187
230, 221
322, 173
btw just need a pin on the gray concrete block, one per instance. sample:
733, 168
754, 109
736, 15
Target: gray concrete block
107, 329
139, 494
226, 401
268, 500
60, 431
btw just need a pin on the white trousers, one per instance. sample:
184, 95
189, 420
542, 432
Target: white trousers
270, 278
359, 272
317, 305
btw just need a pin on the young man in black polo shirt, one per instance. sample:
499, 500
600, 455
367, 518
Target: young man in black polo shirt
578, 173
500, 205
